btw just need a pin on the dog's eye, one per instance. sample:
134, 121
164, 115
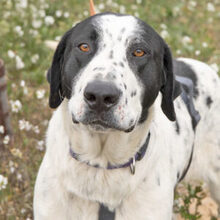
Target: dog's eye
139, 53
84, 47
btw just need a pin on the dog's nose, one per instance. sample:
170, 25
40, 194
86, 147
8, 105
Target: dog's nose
101, 96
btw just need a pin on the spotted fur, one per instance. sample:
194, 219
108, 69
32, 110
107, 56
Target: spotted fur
74, 189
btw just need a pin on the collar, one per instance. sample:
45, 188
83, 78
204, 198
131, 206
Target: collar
131, 163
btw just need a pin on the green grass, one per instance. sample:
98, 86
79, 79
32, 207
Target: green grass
176, 19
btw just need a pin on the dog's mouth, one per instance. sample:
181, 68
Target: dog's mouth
100, 125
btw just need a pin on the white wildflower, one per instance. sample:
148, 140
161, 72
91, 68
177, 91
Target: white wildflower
204, 44
210, 7
186, 40
25, 90
136, 14
19, 31
34, 33
23, 210
101, 6
215, 67
22, 4
3, 182
66, 14
15, 106
11, 54
85, 13
40, 145
178, 52
58, 13
115, 5
6, 139
12, 166
35, 58
164, 34
12, 169
197, 52
176, 10
19, 62
2, 129
42, 13
139, 1
25, 125
36, 129
192, 5
36, 23
122, 9
19, 176
40, 93
57, 38
22, 83
49, 20
163, 26
134, 7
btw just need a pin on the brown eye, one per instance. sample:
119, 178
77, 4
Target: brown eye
84, 47
138, 53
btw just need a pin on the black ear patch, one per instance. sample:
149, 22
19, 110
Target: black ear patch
54, 73
171, 88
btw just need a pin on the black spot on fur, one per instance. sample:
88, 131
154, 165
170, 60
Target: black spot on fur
111, 55
178, 175
131, 122
110, 76
121, 64
125, 86
115, 64
209, 101
158, 181
119, 38
177, 127
99, 69
133, 93
126, 42
123, 30
126, 101
98, 76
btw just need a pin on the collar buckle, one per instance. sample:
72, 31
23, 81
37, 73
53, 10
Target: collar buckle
132, 166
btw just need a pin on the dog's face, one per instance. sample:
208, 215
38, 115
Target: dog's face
111, 68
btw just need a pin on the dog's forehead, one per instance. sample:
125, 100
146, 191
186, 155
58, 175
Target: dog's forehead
116, 26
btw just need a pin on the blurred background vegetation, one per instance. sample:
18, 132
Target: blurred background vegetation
191, 28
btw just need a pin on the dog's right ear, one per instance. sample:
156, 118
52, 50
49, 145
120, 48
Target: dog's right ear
54, 73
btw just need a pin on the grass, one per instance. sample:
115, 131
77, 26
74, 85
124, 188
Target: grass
191, 28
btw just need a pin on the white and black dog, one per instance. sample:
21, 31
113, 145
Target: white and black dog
128, 119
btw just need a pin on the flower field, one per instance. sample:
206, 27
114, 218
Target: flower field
191, 28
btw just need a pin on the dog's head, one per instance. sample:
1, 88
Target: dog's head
111, 68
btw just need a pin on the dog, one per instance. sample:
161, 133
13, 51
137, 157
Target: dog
129, 121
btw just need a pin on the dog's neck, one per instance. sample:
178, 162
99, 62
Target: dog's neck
114, 147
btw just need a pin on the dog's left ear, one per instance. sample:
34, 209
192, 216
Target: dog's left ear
171, 88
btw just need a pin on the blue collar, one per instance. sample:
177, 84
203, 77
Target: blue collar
131, 163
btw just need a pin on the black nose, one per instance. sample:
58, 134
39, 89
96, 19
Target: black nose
101, 96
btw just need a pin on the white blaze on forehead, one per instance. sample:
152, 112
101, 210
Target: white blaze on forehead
117, 31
